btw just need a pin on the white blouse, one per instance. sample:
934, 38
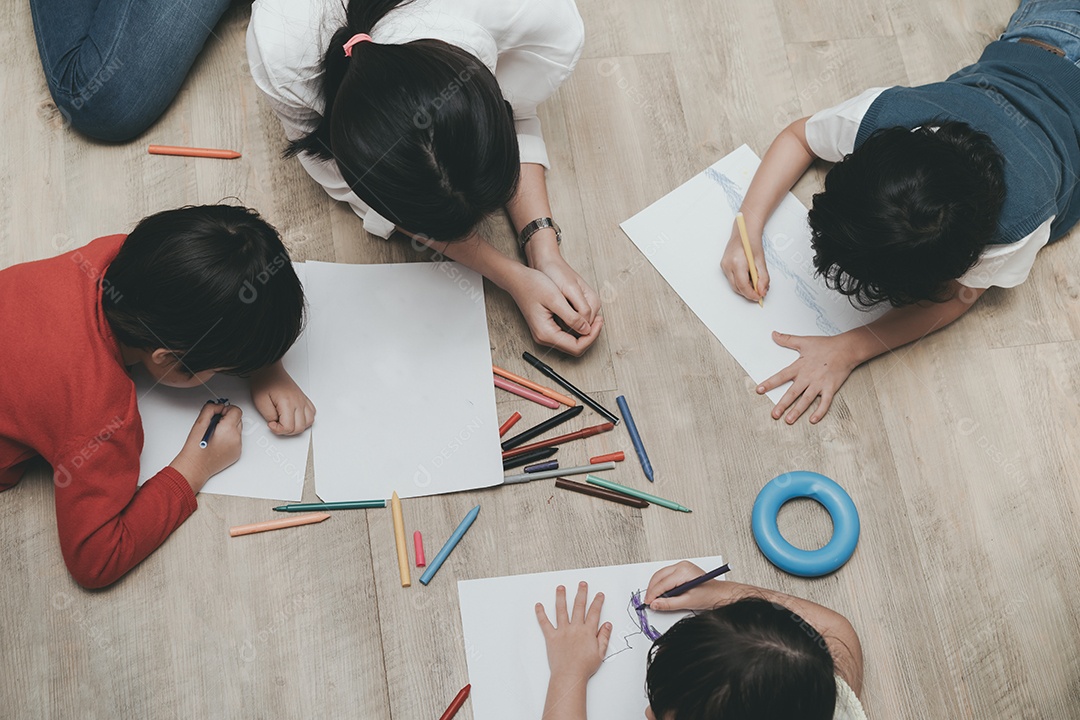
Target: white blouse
830, 133
531, 46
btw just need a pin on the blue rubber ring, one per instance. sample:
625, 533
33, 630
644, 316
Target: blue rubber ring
835, 500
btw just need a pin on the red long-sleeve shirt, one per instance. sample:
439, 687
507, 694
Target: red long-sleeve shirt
66, 395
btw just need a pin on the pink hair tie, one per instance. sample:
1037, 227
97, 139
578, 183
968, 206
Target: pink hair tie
355, 39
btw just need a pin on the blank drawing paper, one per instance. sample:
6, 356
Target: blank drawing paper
684, 234
505, 649
401, 376
270, 467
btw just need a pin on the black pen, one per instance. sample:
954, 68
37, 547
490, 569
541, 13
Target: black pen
213, 422
543, 427
542, 367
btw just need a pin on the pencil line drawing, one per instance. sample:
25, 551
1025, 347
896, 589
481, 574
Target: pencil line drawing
803, 290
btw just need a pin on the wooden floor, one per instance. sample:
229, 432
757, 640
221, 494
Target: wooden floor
961, 451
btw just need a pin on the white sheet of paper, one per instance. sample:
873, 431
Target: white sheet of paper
401, 376
270, 467
505, 649
684, 233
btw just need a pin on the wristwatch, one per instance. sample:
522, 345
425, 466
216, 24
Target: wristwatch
537, 225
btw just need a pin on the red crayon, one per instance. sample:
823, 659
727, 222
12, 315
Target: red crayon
610, 457
457, 702
584, 433
418, 548
510, 422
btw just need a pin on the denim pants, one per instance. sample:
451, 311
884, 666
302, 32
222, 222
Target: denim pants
113, 66
1054, 22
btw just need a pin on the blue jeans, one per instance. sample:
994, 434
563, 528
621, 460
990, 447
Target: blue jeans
1054, 22
113, 66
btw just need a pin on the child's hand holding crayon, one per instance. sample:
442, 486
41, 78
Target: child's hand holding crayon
705, 596
736, 266
199, 464
281, 402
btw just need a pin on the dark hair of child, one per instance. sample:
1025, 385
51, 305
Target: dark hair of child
907, 212
212, 283
420, 131
750, 660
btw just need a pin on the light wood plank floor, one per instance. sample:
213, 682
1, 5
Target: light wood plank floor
956, 450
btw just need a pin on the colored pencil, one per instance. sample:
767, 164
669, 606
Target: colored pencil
741, 222
541, 467
548, 392
691, 584
635, 437
581, 470
213, 422
448, 548
259, 527
504, 384
193, 152
610, 457
560, 439
456, 703
599, 493
418, 548
399, 540
510, 422
529, 458
542, 427
542, 367
351, 505
636, 493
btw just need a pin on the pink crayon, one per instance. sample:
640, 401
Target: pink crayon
418, 546
525, 393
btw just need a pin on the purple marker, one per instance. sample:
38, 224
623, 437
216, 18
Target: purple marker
540, 467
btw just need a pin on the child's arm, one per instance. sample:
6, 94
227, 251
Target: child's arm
107, 525
837, 631
825, 362
281, 402
784, 163
576, 646
537, 296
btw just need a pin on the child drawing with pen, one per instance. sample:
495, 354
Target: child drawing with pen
185, 295
746, 653
939, 192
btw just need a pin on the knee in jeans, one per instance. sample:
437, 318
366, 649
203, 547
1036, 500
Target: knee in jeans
106, 118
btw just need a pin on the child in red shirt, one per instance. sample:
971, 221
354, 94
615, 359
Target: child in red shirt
188, 293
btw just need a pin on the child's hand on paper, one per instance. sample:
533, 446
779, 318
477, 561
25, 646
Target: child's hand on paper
198, 464
705, 596
577, 643
737, 270
541, 301
281, 402
824, 364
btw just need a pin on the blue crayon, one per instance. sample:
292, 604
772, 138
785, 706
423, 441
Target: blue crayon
540, 467
455, 538
635, 437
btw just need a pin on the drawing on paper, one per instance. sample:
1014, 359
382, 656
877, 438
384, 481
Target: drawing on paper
803, 290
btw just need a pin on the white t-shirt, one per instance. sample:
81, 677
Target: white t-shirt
531, 46
831, 133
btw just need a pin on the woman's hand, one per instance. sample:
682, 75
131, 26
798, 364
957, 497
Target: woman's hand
577, 643
737, 270
573, 287
824, 364
543, 303
281, 402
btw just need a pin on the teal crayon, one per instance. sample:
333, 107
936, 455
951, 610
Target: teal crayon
669, 504
351, 505
448, 548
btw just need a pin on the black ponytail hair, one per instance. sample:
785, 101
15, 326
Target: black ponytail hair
420, 131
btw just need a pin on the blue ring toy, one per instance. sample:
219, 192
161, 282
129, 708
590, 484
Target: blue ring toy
835, 500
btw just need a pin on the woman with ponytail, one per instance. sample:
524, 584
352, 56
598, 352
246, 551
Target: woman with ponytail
422, 115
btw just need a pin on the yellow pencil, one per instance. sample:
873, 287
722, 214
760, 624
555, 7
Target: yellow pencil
259, 527
749, 255
399, 539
